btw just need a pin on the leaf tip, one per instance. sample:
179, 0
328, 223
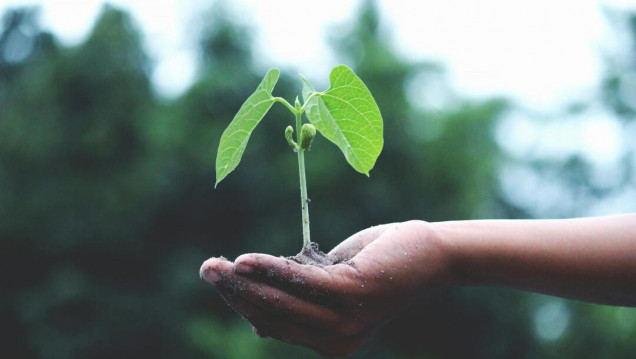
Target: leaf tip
274, 74
341, 67
219, 179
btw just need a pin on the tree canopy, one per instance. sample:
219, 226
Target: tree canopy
107, 206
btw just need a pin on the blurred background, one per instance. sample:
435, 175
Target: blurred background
110, 117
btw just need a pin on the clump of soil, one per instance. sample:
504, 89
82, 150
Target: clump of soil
313, 256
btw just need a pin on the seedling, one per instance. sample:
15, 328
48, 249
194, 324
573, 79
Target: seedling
346, 114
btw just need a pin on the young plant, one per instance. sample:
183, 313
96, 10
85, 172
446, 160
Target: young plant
346, 114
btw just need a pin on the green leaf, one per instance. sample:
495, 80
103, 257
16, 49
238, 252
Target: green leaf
235, 137
347, 115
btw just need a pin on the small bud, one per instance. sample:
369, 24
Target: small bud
297, 104
289, 131
307, 134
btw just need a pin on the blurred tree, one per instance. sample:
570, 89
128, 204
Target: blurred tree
70, 155
107, 208
618, 86
569, 185
438, 164
587, 186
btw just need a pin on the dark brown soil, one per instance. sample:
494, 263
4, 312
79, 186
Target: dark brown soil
314, 256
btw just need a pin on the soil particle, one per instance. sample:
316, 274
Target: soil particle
312, 255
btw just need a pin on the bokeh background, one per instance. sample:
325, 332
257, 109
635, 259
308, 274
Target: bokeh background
107, 207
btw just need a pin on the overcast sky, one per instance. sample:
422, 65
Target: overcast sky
540, 52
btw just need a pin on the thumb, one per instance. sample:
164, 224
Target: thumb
351, 246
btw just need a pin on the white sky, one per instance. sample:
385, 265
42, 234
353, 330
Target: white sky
538, 52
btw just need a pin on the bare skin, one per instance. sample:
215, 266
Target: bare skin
334, 309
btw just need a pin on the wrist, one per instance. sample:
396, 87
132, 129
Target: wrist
455, 269
437, 254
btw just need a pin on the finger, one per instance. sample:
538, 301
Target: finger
215, 268
220, 273
279, 303
307, 281
351, 246
268, 325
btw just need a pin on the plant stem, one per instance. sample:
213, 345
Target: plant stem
285, 103
304, 201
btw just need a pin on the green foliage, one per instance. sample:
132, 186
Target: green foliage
106, 212
347, 115
235, 137
235, 339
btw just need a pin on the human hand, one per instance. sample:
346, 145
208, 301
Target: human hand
333, 309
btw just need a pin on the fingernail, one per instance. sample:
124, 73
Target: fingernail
242, 268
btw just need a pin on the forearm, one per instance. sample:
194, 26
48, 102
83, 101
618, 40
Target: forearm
590, 259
